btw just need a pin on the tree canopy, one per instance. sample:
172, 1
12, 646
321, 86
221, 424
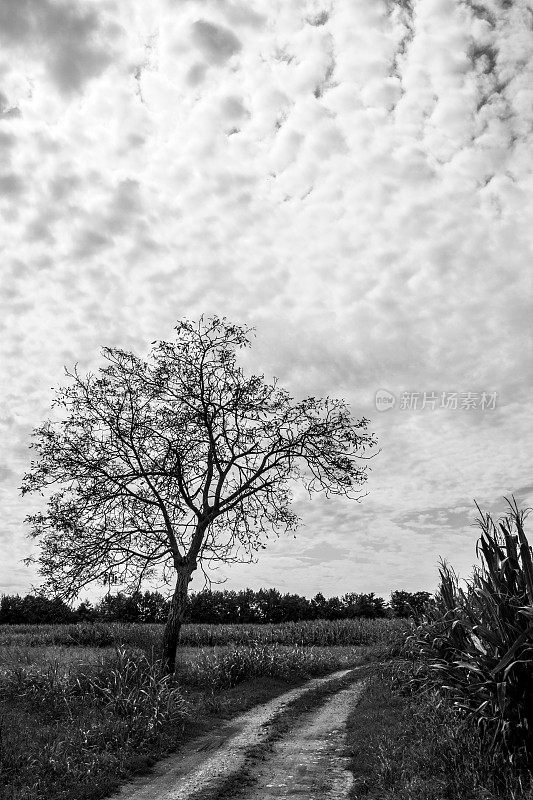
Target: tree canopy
180, 459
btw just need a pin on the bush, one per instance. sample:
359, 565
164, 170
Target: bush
128, 685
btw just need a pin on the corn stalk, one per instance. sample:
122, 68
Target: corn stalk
476, 643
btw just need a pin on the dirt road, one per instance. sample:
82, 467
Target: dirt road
308, 762
289, 747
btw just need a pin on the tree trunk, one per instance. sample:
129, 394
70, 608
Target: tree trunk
175, 619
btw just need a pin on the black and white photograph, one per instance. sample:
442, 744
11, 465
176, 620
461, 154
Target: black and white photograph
266, 373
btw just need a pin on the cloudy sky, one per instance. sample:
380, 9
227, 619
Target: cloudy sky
353, 178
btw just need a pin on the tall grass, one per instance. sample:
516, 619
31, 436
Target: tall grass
71, 732
127, 685
477, 643
222, 668
94, 635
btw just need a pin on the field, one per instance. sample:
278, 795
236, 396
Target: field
354, 632
84, 706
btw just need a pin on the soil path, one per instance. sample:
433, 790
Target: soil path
305, 760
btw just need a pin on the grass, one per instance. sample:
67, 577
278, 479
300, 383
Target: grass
97, 635
222, 668
80, 716
322, 633
413, 747
70, 732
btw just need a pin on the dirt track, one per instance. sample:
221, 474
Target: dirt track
272, 751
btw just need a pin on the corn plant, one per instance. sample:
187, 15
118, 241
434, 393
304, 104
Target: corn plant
147, 637
321, 633
477, 642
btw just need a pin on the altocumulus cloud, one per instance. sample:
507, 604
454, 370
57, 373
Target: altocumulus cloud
67, 38
353, 178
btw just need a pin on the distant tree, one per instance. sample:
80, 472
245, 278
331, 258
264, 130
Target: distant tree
269, 605
228, 609
201, 607
34, 610
409, 604
48, 611
120, 607
373, 607
333, 608
351, 605
295, 608
177, 460
11, 610
364, 605
247, 606
86, 612
153, 607
319, 606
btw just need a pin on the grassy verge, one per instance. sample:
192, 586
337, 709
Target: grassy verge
408, 747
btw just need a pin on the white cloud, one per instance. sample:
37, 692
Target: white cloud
69, 41
216, 43
353, 179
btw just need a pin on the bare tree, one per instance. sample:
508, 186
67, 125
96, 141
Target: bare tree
177, 461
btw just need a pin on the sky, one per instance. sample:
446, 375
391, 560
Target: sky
352, 178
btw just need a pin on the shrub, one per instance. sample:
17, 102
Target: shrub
414, 747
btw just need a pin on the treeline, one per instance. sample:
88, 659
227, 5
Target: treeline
214, 607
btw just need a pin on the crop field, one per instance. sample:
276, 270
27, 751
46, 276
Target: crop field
83, 707
352, 632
